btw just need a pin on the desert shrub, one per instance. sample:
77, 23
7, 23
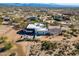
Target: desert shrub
2, 39
66, 35
47, 45
60, 53
7, 46
12, 54
49, 52
64, 38
69, 37
74, 30
71, 26
74, 34
77, 46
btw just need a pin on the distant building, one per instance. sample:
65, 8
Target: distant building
32, 18
6, 20
61, 17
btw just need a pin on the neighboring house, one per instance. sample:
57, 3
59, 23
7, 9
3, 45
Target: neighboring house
58, 17
32, 18
6, 20
61, 17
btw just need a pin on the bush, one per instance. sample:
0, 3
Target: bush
49, 52
66, 35
7, 46
77, 46
2, 39
71, 26
47, 45
74, 30
74, 34
12, 54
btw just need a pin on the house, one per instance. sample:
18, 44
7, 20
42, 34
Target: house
40, 29
6, 20
32, 18
61, 17
58, 17
34, 31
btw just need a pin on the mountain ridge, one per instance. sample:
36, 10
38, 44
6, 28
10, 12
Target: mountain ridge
50, 5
